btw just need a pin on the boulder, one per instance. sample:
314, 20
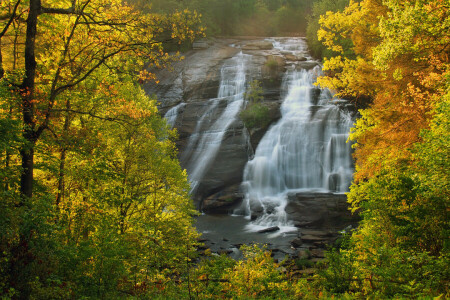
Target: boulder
223, 201
312, 238
318, 253
270, 229
296, 243
292, 57
307, 65
319, 210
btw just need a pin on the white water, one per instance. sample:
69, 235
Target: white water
203, 145
172, 114
305, 151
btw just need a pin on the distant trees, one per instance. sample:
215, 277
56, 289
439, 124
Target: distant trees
244, 17
319, 8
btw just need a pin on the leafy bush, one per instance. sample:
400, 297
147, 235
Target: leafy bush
255, 115
257, 276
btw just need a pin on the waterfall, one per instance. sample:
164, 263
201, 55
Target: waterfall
203, 145
305, 151
172, 114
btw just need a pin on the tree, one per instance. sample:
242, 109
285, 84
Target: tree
52, 95
398, 56
107, 29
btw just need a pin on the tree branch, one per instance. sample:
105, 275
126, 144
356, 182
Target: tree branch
91, 114
10, 19
62, 11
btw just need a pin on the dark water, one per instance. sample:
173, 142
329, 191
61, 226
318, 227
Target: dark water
225, 233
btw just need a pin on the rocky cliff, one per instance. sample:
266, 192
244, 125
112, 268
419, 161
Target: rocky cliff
190, 85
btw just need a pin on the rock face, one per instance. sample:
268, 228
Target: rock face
258, 45
319, 210
223, 201
189, 87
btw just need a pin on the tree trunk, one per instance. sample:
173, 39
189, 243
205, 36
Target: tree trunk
62, 161
28, 109
2, 71
22, 257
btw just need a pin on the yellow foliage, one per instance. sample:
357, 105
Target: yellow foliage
398, 56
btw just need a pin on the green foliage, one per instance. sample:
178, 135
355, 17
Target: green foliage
257, 276
271, 64
209, 275
303, 263
319, 8
402, 153
110, 210
338, 273
255, 115
254, 92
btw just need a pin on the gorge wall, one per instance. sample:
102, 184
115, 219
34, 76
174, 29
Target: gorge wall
302, 150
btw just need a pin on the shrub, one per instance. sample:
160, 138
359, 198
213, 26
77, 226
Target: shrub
255, 115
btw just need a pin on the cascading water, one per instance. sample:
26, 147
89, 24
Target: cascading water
172, 114
305, 151
203, 145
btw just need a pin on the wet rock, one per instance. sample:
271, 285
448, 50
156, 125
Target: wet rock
228, 166
312, 238
322, 244
293, 57
201, 44
307, 65
297, 242
196, 75
317, 232
315, 94
319, 210
223, 201
301, 224
258, 45
270, 229
318, 253
304, 254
